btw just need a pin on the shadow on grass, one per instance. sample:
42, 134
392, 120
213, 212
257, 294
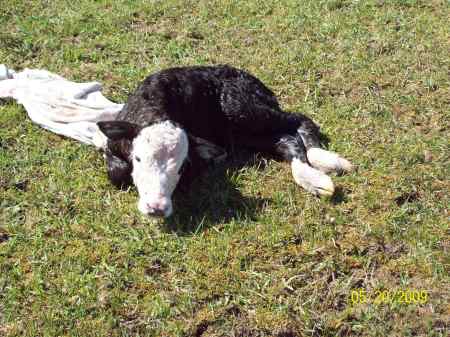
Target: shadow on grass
214, 198
339, 196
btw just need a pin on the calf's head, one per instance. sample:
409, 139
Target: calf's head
156, 154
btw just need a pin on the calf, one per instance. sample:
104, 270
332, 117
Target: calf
180, 119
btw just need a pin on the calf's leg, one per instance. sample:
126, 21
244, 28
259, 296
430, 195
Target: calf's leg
290, 148
323, 160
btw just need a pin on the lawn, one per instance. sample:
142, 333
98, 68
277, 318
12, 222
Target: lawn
247, 253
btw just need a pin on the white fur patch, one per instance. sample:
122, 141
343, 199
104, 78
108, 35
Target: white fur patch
158, 153
311, 179
327, 161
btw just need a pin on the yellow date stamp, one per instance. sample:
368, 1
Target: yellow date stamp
400, 296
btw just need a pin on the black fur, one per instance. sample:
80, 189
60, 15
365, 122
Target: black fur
220, 104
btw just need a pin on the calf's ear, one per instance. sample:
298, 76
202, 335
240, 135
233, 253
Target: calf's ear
206, 150
119, 171
116, 130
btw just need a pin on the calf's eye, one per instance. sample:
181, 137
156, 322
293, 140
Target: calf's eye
137, 159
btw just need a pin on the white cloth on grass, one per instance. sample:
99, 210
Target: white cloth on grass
67, 108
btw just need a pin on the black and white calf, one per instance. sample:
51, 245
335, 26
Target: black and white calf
186, 117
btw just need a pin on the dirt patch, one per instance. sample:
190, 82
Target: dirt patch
407, 197
4, 237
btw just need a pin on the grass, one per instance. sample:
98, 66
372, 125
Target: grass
248, 253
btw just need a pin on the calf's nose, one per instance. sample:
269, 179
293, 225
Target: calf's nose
158, 209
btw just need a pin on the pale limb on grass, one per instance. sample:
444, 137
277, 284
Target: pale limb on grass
311, 179
327, 161
64, 107
314, 179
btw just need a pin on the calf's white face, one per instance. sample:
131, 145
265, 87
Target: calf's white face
158, 152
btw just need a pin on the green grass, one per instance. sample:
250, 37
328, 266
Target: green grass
248, 253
